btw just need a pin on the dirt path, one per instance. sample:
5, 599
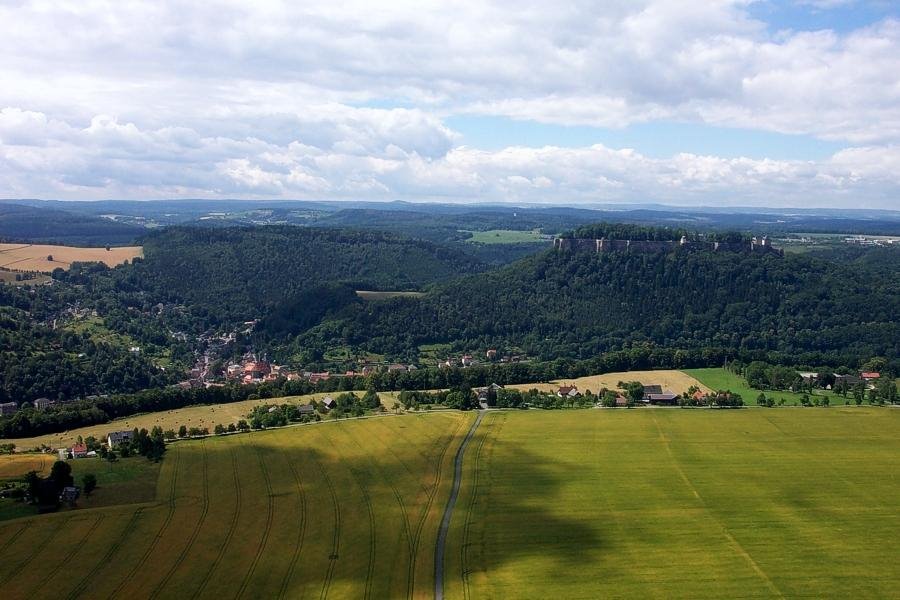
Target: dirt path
448, 511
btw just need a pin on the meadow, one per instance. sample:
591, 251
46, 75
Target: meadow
721, 379
34, 257
505, 236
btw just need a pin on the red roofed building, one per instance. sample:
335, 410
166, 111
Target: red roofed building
79, 451
567, 391
870, 376
256, 371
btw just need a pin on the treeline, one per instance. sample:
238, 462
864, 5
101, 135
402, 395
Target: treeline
626, 231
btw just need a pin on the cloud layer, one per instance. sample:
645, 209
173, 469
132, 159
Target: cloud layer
347, 100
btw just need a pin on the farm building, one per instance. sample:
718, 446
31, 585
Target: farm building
666, 398
328, 403
568, 391
42, 403
116, 438
79, 451
306, 409
650, 390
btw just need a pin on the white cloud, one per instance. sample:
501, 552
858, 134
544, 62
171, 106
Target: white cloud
129, 98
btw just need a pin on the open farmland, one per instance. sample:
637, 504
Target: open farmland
721, 379
676, 381
340, 510
587, 503
33, 257
203, 415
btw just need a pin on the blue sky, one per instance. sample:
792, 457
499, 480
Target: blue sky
720, 102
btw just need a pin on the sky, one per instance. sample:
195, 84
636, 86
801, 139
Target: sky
791, 103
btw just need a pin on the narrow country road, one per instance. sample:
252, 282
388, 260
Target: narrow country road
448, 511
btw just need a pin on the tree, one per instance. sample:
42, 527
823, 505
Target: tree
634, 390
608, 399
88, 483
183, 431
61, 474
219, 429
761, 399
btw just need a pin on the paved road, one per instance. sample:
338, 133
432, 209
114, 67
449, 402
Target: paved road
448, 511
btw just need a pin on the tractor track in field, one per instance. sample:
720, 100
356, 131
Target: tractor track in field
336, 536
301, 533
159, 533
113, 548
267, 530
59, 564
464, 547
36, 550
11, 539
430, 495
194, 534
232, 527
448, 509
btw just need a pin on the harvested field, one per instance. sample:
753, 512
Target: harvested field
676, 381
16, 465
33, 257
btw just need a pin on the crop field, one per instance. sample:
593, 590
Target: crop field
13, 465
205, 415
676, 381
33, 257
669, 503
341, 510
554, 504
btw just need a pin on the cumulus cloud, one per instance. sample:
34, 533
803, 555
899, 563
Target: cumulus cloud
131, 98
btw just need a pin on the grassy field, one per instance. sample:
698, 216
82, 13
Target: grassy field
505, 236
33, 257
665, 503
342, 510
10, 278
676, 381
720, 379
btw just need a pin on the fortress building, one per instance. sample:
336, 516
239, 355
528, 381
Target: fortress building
755, 246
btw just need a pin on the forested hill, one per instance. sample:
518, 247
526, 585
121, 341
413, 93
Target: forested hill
574, 305
235, 274
47, 225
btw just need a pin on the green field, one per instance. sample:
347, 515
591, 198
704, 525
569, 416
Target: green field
554, 504
505, 236
720, 379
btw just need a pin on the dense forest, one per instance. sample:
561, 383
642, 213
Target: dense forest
578, 304
51, 226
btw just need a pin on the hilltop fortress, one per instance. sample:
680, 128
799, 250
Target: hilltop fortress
755, 245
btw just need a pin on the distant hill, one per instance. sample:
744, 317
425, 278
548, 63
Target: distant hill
20, 223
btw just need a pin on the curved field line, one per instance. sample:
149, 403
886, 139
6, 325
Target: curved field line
267, 530
448, 509
231, 528
370, 571
301, 533
113, 548
430, 494
464, 547
159, 533
36, 550
9, 541
59, 563
196, 532
336, 537
377, 467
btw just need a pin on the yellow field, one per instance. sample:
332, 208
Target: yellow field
10, 277
208, 415
676, 381
341, 510
16, 465
33, 257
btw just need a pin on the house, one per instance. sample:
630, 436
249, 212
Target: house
233, 371
809, 377
871, 376
568, 391
255, 371
396, 368
651, 389
8, 408
698, 396
621, 400
79, 451
467, 360
42, 403
491, 354
116, 438
666, 398
849, 380
328, 403
306, 409
317, 377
